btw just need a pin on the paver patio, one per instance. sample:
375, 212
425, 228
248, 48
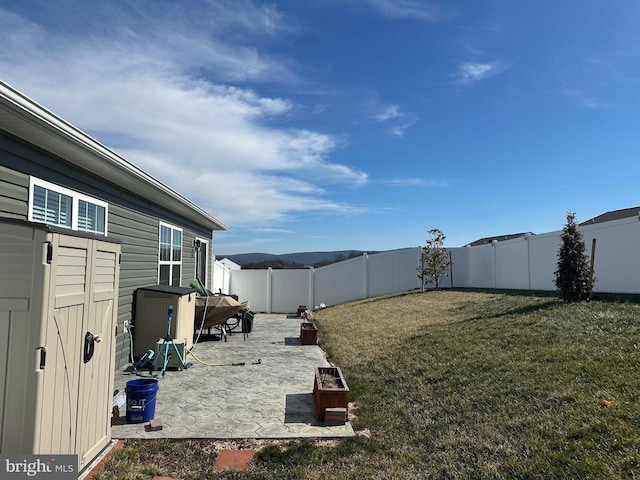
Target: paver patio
272, 399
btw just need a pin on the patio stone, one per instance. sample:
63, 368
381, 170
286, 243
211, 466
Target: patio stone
272, 399
234, 459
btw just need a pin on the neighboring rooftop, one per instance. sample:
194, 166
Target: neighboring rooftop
613, 215
499, 238
605, 217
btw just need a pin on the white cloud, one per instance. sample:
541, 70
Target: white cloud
146, 99
417, 182
273, 230
389, 112
582, 100
405, 182
400, 128
419, 9
395, 120
470, 72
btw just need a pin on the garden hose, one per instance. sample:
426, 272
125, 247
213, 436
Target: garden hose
213, 364
135, 364
167, 343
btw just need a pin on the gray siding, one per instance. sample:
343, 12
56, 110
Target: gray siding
188, 258
138, 267
14, 194
132, 220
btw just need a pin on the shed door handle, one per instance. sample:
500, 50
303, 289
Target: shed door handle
43, 357
89, 346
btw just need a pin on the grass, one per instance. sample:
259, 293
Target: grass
458, 384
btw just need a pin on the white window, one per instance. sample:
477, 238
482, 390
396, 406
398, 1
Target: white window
170, 255
55, 205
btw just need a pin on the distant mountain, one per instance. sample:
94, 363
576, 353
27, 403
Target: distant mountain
303, 259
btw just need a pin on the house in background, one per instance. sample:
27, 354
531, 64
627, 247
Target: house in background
499, 238
53, 173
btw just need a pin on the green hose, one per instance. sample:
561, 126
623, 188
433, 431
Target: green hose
213, 364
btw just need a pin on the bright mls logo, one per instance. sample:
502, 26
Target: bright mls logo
51, 467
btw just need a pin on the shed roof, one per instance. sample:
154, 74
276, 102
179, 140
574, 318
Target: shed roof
26, 119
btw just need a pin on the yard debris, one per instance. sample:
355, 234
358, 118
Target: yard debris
155, 425
334, 416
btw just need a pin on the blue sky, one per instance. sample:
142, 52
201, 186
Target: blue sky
350, 124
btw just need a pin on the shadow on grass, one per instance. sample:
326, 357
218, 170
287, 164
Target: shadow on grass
595, 297
515, 293
386, 297
517, 311
616, 298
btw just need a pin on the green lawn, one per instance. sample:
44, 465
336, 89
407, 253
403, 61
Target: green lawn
454, 384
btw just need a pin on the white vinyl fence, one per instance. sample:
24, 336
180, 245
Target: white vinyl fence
525, 263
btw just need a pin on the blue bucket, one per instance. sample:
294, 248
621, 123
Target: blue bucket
141, 399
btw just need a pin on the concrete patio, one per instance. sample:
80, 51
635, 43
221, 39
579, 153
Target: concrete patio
272, 399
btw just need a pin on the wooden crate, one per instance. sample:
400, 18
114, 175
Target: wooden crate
308, 334
328, 396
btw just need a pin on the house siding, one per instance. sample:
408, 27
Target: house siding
14, 194
132, 220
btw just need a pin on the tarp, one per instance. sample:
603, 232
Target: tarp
218, 308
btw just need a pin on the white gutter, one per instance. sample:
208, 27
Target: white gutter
26, 119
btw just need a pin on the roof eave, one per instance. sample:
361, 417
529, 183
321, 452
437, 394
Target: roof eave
25, 119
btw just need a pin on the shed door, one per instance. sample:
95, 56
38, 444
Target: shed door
96, 375
76, 395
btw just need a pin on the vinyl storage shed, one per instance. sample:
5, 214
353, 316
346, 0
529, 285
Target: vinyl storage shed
57, 323
53, 173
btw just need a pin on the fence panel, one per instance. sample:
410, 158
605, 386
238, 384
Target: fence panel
512, 263
481, 267
521, 263
543, 260
340, 282
459, 267
390, 272
221, 277
617, 261
290, 288
254, 286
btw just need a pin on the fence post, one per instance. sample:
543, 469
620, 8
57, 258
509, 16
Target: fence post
312, 299
365, 275
495, 263
269, 292
468, 249
527, 237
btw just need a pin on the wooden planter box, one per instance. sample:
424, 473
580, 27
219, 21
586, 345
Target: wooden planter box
330, 390
308, 334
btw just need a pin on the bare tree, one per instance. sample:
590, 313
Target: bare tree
434, 259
